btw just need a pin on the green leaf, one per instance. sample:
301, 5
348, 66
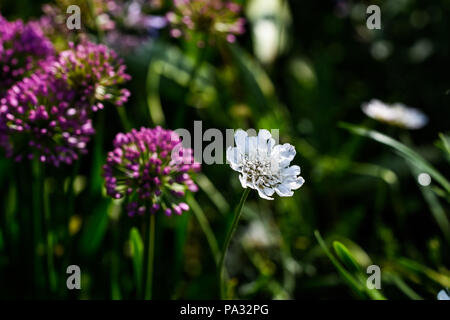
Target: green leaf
407, 153
346, 257
153, 98
137, 251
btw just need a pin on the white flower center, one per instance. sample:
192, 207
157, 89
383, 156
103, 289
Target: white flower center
260, 171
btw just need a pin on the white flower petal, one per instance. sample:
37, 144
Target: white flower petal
269, 191
291, 171
252, 147
264, 137
264, 134
396, 114
296, 184
270, 145
263, 195
442, 295
288, 151
283, 191
233, 156
264, 166
243, 180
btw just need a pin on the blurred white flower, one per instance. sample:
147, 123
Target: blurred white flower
266, 41
396, 114
270, 20
443, 295
264, 166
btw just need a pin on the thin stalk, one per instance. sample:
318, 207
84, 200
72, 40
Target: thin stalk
37, 219
149, 255
49, 239
126, 125
221, 269
206, 228
68, 196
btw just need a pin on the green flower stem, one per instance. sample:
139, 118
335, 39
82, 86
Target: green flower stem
49, 240
37, 218
221, 268
149, 255
126, 125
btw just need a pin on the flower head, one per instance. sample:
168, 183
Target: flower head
396, 114
216, 18
264, 166
38, 118
48, 114
94, 72
23, 49
151, 169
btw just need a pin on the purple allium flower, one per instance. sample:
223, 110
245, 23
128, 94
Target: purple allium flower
94, 72
48, 114
23, 49
151, 169
215, 18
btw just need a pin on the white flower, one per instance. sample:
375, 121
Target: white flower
396, 114
264, 166
444, 295
257, 236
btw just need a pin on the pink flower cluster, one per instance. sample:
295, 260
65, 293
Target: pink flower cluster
151, 169
94, 72
48, 114
23, 49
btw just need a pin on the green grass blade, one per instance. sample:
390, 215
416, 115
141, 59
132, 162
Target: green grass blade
437, 210
211, 191
346, 257
445, 142
403, 286
440, 278
206, 228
